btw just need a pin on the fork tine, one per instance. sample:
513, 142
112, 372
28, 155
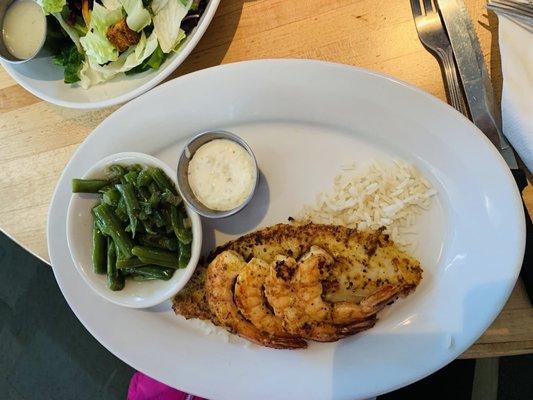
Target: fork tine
415, 7
428, 5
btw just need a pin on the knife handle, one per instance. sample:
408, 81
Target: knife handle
526, 273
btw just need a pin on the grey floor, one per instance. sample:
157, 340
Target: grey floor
45, 352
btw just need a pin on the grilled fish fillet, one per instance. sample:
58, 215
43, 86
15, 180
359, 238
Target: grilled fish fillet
363, 262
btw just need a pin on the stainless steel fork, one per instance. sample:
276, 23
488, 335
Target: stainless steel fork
431, 33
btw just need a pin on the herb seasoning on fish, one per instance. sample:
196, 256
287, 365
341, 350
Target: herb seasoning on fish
221, 174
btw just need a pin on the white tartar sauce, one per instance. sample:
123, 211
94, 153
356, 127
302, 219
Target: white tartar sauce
23, 29
222, 174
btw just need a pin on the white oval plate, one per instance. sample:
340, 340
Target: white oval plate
304, 119
41, 77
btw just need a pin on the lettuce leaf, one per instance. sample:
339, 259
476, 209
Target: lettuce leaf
71, 32
98, 48
153, 62
138, 16
92, 73
142, 51
52, 6
102, 17
71, 60
168, 15
111, 4
96, 45
181, 38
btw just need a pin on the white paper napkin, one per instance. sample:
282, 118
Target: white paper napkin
516, 49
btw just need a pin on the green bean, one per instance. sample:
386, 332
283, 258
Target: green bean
139, 228
161, 242
143, 278
165, 213
155, 256
152, 271
157, 219
121, 211
174, 264
132, 204
154, 189
117, 171
170, 198
100, 226
111, 197
153, 253
104, 188
112, 227
144, 178
185, 255
88, 185
133, 262
127, 192
146, 207
176, 217
142, 214
148, 227
154, 200
144, 193
131, 177
99, 251
143, 202
115, 280
162, 179
155, 272
126, 273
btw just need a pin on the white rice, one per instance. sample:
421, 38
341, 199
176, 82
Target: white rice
384, 194
207, 328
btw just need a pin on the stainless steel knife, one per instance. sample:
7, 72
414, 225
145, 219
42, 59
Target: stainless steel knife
479, 94
474, 76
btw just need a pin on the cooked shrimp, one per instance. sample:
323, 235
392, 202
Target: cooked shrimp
251, 301
310, 271
220, 280
326, 332
364, 262
294, 290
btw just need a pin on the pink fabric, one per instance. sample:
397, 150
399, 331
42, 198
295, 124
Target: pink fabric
142, 387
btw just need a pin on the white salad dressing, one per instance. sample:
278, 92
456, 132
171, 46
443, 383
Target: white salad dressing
23, 28
222, 174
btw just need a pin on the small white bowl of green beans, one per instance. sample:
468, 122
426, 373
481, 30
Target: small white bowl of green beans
132, 238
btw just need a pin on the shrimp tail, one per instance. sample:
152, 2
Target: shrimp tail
374, 303
347, 312
285, 343
325, 334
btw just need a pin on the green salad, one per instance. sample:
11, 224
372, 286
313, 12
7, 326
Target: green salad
95, 40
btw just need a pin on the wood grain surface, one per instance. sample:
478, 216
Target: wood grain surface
37, 138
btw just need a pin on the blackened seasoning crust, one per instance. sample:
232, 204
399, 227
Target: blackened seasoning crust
364, 262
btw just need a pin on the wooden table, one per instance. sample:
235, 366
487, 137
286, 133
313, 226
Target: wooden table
37, 139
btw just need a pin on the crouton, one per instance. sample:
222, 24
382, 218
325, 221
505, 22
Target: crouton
121, 36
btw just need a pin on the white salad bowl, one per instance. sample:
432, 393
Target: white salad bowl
79, 239
41, 77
